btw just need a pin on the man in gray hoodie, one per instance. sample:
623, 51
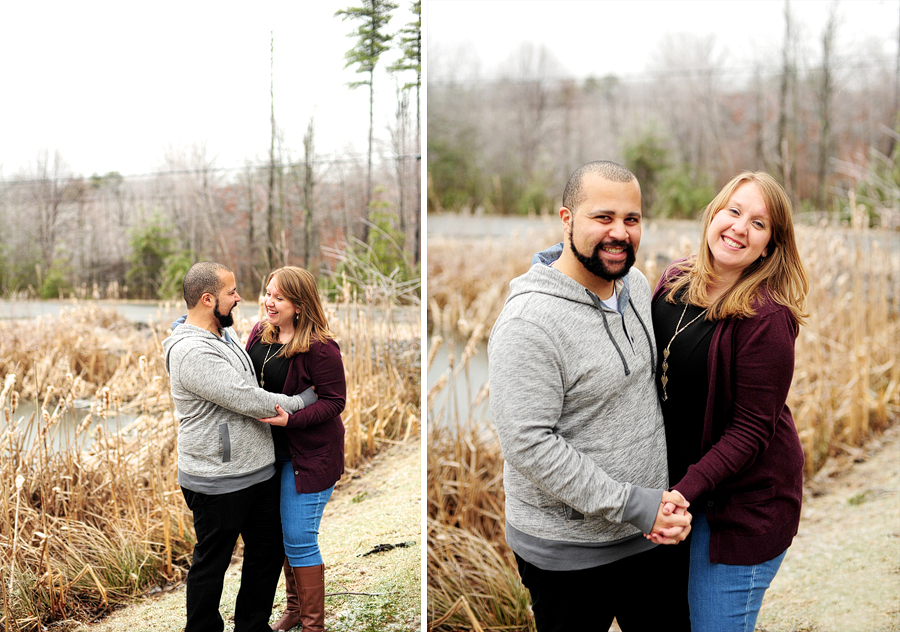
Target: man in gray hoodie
226, 458
572, 360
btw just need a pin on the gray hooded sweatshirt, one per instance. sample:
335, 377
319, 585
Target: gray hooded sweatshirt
222, 447
574, 400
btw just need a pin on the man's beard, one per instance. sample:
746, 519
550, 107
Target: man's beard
225, 320
595, 265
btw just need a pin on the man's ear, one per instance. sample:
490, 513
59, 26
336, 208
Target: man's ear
566, 216
208, 299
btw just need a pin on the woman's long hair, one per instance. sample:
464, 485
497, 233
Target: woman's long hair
299, 287
781, 272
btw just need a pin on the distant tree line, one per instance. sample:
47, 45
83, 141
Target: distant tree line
507, 145
134, 237
115, 236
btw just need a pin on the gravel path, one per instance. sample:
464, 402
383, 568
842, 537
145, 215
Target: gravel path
381, 504
842, 573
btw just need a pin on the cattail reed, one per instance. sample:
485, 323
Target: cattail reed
94, 515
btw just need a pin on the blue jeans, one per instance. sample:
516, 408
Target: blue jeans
219, 519
301, 515
724, 597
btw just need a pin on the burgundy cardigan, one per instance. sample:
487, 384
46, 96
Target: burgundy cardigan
315, 434
751, 470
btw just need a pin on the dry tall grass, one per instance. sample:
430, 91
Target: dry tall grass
86, 528
846, 386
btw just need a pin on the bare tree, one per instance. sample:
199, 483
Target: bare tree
250, 271
309, 183
785, 105
399, 146
891, 138
271, 230
532, 79
410, 45
689, 94
826, 93
49, 193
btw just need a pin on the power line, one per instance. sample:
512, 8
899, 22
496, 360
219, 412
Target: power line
212, 170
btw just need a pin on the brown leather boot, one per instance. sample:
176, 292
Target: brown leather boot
291, 616
311, 588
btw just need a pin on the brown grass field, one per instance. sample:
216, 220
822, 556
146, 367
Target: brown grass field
89, 525
846, 388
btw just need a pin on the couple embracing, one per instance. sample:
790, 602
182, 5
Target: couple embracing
653, 472
260, 444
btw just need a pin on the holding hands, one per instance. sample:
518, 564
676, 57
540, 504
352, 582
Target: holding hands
673, 522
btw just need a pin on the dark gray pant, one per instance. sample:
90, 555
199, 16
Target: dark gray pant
254, 514
646, 592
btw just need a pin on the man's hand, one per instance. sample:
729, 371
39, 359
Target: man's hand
281, 419
673, 522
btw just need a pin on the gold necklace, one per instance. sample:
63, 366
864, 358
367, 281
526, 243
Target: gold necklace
262, 371
678, 330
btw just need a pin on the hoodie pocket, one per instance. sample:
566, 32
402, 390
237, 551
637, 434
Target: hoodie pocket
225, 438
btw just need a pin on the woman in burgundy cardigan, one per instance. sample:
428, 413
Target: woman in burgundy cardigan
725, 322
293, 349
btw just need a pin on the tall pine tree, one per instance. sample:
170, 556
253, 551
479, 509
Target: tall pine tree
410, 46
371, 42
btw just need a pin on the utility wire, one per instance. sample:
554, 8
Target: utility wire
210, 170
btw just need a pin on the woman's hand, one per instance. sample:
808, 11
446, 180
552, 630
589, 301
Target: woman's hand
673, 522
280, 419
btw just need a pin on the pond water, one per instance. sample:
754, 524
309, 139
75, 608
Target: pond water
147, 312
143, 312
453, 403
62, 435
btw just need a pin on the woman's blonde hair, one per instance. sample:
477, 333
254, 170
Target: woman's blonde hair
780, 272
299, 287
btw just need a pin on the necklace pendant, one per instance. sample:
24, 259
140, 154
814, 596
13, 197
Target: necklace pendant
262, 382
666, 352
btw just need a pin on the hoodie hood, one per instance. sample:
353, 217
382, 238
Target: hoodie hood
182, 331
551, 254
542, 279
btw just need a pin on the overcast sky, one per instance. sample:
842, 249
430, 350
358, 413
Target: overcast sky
112, 85
621, 37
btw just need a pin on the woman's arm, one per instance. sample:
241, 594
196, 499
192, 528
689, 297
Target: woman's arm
326, 369
762, 370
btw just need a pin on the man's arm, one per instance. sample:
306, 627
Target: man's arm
209, 376
527, 394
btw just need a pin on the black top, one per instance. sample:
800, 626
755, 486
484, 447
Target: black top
276, 369
687, 387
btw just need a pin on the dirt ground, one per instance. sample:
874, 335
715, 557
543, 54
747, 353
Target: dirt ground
380, 504
842, 573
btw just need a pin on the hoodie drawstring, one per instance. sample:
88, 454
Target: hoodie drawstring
649, 339
596, 300
599, 305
